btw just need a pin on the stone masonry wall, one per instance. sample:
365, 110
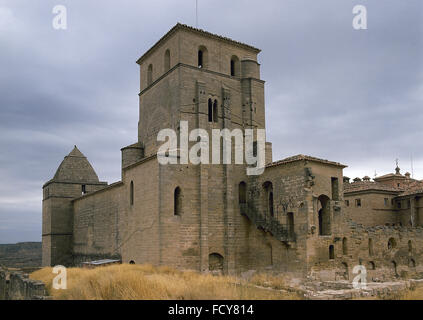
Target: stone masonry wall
17, 286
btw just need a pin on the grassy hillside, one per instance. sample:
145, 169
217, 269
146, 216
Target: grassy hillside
145, 282
21, 255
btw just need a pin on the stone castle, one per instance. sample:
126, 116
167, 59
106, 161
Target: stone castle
301, 216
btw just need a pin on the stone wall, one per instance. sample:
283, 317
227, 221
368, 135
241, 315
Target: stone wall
17, 286
387, 253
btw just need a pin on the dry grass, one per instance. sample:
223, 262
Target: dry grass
416, 294
145, 282
267, 280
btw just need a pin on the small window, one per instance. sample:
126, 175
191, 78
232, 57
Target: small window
150, 75
347, 203
358, 202
242, 190
290, 223
268, 197
235, 66
131, 193
167, 60
392, 244
202, 57
271, 204
84, 189
331, 252
210, 104
177, 198
399, 204
215, 112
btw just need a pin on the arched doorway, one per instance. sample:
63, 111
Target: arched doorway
216, 263
268, 198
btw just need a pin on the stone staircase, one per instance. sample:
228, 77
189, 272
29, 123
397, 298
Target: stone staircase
267, 223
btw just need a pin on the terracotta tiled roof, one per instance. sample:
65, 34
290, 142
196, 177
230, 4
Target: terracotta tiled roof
413, 187
369, 186
304, 157
408, 187
391, 175
180, 26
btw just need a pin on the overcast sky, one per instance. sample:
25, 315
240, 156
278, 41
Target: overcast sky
331, 91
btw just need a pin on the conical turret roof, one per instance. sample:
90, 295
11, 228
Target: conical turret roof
75, 168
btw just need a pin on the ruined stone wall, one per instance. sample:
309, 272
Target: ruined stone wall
386, 252
17, 286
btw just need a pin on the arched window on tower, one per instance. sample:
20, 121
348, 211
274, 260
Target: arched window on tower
177, 202
202, 57
215, 112
167, 60
235, 66
131, 193
150, 75
210, 102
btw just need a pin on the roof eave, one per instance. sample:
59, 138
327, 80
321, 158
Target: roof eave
180, 26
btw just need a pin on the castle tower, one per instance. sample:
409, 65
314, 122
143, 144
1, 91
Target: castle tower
211, 82
74, 177
193, 75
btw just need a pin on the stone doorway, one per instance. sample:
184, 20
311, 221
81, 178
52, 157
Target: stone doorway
216, 263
